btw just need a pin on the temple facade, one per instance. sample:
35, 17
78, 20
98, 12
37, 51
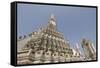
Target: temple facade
46, 45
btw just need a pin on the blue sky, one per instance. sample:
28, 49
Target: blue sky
74, 22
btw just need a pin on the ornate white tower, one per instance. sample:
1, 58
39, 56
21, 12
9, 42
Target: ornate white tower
88, 49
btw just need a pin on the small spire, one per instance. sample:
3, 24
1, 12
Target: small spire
77, 46
52, 17
52, 22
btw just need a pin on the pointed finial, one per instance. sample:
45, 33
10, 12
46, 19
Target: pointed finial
52, 17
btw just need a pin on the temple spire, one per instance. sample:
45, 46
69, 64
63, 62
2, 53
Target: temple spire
52, 17
52, 22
